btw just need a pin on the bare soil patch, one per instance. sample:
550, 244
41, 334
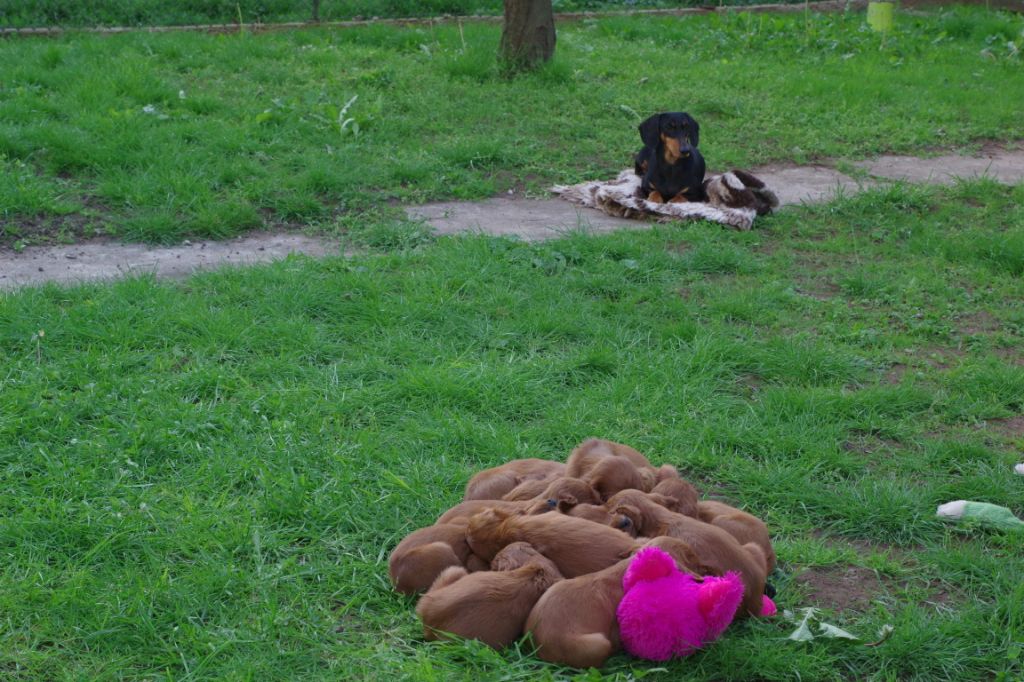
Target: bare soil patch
847, 588
1011, 428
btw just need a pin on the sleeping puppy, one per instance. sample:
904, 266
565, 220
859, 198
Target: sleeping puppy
577, 546
574, 622
591, 448
425, 553
741, 525
461, 512
561, 489
610, 467
491, 484
717, 550
527, 490
669, 163
598, 514
491, 606
681, 497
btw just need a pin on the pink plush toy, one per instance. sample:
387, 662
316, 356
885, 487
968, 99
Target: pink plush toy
667, 613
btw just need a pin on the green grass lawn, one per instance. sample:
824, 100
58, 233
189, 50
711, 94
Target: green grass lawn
202, 479
161, 137
22, 13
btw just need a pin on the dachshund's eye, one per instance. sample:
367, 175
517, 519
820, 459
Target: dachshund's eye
625, 522
552, 502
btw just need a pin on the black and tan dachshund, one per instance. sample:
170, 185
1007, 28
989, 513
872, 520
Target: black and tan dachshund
669, 163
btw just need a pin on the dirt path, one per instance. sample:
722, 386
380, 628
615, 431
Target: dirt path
525, 218
98, 260
547, 218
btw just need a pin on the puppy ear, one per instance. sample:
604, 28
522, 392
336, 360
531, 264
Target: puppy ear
695, 137
649, 130
648, 479
494, 513
667, 471
566, 505
663, 500
630, 512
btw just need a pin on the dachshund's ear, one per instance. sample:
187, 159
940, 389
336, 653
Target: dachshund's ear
695, 138
649, 130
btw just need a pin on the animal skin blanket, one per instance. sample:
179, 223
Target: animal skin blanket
734, 199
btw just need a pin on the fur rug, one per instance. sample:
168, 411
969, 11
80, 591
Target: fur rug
734, 199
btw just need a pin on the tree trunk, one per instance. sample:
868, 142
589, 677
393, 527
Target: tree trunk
528, 34
316, 11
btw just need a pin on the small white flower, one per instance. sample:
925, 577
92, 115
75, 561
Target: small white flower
149, 109
181, 94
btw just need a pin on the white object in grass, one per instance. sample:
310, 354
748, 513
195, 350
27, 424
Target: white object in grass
983, 513
952, 510
1019, 469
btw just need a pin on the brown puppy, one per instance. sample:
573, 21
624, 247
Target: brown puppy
718, 551
667, 472
574, 622
610, 467
741, 525
569, 490
527, 490
577, 546
557, 489
491, 606
555, 492
681, 497
613, 474
598, 514
491, 484
425, 553
461, 512
589, 451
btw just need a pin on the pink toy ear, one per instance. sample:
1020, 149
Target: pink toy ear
768, 606
650, 563
718, 600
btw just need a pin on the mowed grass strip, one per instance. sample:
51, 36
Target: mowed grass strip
160, 137
203, 479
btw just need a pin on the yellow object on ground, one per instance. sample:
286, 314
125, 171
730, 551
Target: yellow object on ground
880, 16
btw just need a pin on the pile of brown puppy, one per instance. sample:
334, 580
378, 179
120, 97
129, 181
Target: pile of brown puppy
541, 547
